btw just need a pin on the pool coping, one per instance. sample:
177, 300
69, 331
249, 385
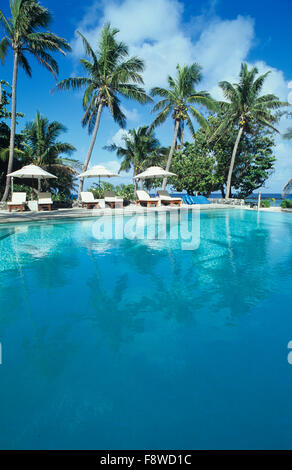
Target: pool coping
78, 213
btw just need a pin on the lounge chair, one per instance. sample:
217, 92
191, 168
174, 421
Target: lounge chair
112, 200
195, 199
18, 201
165, 198
144, 198
87, 199
45, 201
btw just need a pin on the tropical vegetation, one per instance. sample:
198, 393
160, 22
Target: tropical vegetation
139, 150
179, 100
24, 36
246, 106
109, 74
43, 148
286, 204
230, 147
126, 191
203, 166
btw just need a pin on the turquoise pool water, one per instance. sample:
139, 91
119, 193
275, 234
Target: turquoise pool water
139, 344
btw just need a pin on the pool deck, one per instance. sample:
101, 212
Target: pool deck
79, 213
75, 213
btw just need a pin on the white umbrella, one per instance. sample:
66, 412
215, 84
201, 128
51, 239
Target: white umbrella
287, 188
31, 171
99, 171
154, 172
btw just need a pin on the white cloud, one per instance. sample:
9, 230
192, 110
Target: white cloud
220, 50
131, 114
151, 28
117, 139
114, 166
283, 169
155, 31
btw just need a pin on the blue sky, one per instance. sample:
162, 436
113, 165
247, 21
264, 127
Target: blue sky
217, 34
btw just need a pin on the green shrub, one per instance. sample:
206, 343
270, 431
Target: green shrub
266, 203
62, 198
126, 191
286, 204
30, 194
98, 191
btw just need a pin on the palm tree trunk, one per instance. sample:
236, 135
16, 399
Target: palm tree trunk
136, 181
13, 125
182, 138
235, 148
86, 162
171, 152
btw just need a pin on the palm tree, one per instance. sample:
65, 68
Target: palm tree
43, 147
23, 36
140, 148
179, 99
109, 73
245, 107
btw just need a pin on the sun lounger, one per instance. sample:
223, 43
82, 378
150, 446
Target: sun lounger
144, 198
18, 201
87, 199
195, 199
45, 201
112, 200
165, 198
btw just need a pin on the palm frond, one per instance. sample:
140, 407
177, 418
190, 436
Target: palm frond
131, 91
199, 117
74, 82
160, 119
4, 44
88, 49
158, 91
23, 62
5, 23
191, 127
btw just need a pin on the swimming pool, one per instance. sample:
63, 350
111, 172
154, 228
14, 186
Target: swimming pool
139, 344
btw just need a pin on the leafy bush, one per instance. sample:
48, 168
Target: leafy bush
286, 204
126, 191
266, 203
98, 190
62, 198
30, 194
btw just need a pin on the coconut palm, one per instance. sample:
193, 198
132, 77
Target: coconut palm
110, 73
43, 148
140, 148
246, 107
179, 99
24, 36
